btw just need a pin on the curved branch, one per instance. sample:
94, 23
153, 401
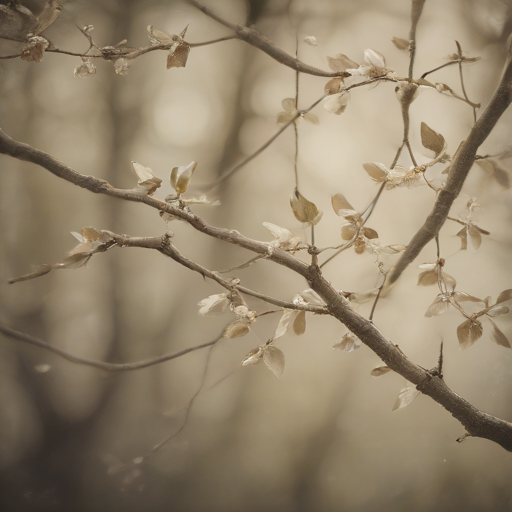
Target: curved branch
100, 365
460, 168
258, 40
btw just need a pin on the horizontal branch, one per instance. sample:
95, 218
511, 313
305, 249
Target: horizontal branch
254, 38
100, 365
460, 168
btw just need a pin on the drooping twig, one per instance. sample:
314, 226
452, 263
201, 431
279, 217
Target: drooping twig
101, 365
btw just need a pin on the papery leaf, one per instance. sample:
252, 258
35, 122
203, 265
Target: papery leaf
311, 297
449, 281
339, 202
333, 85
181, 176
158, 36
370, 233
178, 58
498, 336
348, 232
494, 169
289, 104
427, 278
407, 394
284, 117
299, 324
400, 43
337, 103
274, 359
378, 172
310, 117
304, 210
440, 305
75, 259
284, 323
475, 237
311, 40
463, 235
213, 305
468, 332
278, 232
465, 297
498, 310
380, 370
374, 58
236, 329
87, 68
362, 297
432, 140
341, 63
121, 66
504, 295
253, 357
348, 343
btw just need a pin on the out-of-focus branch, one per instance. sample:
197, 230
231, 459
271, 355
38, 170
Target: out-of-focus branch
101, 365
460, 168
417, 9
254, 38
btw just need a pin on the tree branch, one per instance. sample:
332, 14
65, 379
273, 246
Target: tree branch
258, 40
100, 365
460, 168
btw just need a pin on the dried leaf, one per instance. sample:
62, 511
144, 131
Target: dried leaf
465, 297
468, 332
341, 63
427, 278
348, 232
504, 296
498, 310
178, 57
181, 176
449, 281
87, 68
147, 179
339, 203
432, 140
378, 172
305, 211
236, 329
440, 305
311, 40
158, 37
393, 249
370, 233
274, 359
498, 336
407, 394
213, 305
333, 85
311, 297
400, 43
463, 235
34, 51
374, 58
299, 324
380, 370
253, 357
475, 237
286, 319
337, 103
348, 343
494, 169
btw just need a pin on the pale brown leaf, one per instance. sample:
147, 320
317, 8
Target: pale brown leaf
341, 63
339, 202
400, 43
468, 332
305, 211
498, 336
432, 140
380, 370
378, 172
407, 394
427, 278
440, 305
299, 324
504, 296
178, 58
236, 329
274, 359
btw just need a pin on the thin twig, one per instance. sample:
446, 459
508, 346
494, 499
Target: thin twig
100, 365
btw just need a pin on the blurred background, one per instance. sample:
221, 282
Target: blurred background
322, 438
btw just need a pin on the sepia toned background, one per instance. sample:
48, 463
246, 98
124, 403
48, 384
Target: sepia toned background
323, 438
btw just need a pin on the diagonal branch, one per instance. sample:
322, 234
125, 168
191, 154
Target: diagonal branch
460, 168
254, 38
